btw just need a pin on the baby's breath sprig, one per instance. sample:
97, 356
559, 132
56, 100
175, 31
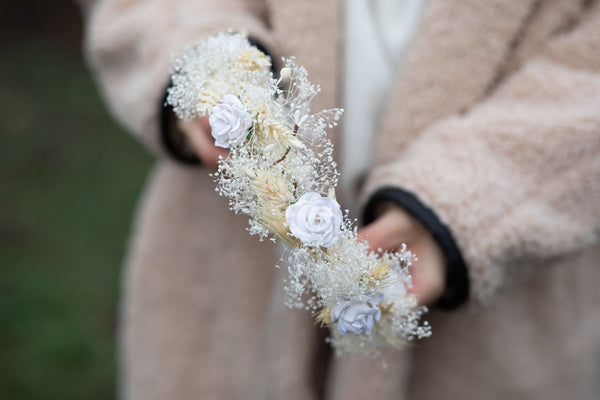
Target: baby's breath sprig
281, 173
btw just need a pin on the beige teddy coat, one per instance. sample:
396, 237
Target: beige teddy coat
494, 124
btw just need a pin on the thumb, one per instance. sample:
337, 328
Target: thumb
198, 132
389, 231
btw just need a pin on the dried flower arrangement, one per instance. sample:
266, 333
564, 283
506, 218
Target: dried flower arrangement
281, 173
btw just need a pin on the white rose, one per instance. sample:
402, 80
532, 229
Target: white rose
357, 317
229, 122
315, 220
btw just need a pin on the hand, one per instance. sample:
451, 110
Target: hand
197, 131
395, 226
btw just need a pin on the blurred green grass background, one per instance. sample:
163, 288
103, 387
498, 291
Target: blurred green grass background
69, 180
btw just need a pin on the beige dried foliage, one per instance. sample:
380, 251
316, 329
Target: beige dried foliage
380, 271
274, 220
273, 131
274, 196
272, 190
323, 317
208, 99
251, 60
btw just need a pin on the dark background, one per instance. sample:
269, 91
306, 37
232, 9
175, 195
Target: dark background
69, 179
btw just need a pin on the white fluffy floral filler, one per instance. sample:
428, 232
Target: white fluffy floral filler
281, 173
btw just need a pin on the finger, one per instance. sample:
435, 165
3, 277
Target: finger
428, 277
216, 152
198, 133
205, 125
389, 231
428, 271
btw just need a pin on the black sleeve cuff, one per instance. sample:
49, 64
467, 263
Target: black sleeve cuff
457, 275
172, 139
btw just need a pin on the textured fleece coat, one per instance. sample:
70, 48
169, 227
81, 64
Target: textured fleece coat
494, 124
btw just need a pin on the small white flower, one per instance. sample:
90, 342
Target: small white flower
285, 73
315, 220
357, 317
229, 122
300, 116
226, 42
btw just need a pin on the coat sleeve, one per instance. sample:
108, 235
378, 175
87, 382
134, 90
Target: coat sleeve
129, 45
516, 176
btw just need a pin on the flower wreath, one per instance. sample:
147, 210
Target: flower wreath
281, 173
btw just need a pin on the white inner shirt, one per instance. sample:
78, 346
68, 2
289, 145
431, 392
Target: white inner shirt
377, 34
